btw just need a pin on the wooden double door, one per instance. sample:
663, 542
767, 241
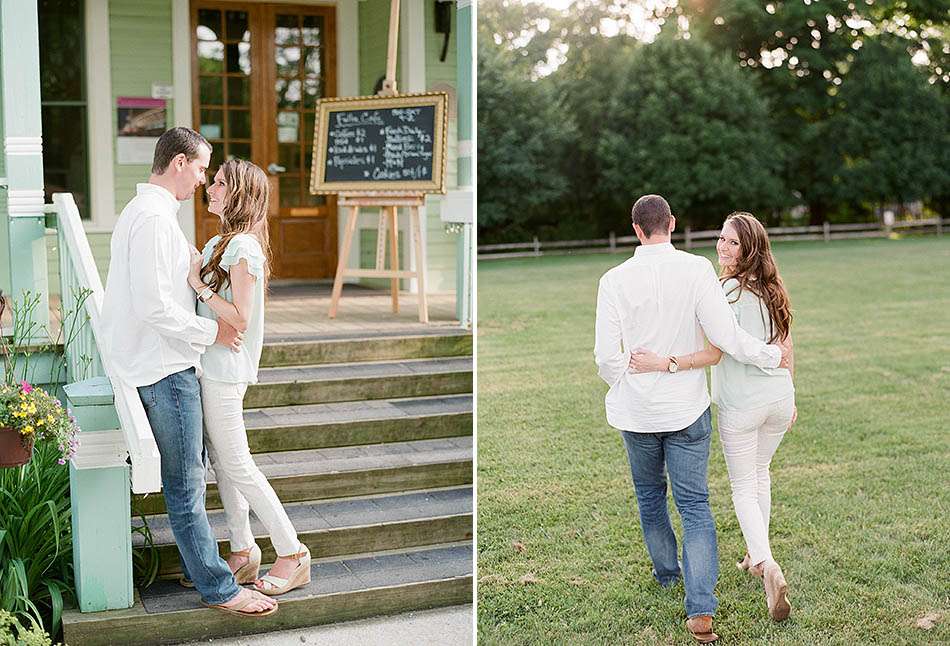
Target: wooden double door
257, 73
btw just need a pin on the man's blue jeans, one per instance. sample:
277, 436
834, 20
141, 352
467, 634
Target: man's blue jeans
173, 407
685, 456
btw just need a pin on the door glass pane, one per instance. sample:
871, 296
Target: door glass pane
287, 60
210, 57
241, 151
212, 124
239, 124
239, 58
312, 29
313, 90
288, 93
312, 63
308, 120
287, 30
237, 29
209, 90
209, 24
239, 90
289, 191
289, 157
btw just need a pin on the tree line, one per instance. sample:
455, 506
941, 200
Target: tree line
800, 111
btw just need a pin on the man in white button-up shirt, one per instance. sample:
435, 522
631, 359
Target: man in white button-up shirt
669, 301
154, 341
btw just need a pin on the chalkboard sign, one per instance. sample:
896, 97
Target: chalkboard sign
373, 144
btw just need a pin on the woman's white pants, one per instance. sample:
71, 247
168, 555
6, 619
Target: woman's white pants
240, 482
749, 439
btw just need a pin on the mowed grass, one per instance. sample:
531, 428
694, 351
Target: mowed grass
860, 485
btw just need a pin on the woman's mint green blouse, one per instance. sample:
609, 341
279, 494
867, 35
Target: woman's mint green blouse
738, 386
220, 363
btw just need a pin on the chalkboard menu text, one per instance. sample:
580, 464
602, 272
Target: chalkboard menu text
380, 144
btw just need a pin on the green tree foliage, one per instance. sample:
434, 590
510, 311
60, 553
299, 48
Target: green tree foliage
524, 135
685, 123
892, 129
796, 115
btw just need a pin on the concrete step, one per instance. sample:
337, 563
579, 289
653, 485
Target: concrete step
322, 384
342, 527
315, 426
379, 347
321, 474
340, 589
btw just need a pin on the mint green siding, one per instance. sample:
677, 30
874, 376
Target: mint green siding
140, 42
374, 34
441, 246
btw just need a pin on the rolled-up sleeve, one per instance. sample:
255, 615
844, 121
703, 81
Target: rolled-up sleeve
611, 358
151, 254
719, 323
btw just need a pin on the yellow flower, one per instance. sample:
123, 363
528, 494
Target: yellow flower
27, 430
39, 422
32, 409
49, 418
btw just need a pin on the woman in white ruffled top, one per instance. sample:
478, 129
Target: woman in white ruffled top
230, 277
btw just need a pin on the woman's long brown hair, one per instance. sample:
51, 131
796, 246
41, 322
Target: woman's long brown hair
244, 211
756, 271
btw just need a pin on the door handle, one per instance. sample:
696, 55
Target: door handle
275, 169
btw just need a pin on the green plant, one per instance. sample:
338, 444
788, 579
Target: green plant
36, 569
146, 559
28, 340
34, 413
13, 633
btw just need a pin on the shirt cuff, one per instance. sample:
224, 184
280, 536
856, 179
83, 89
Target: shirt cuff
211, 327
774, 355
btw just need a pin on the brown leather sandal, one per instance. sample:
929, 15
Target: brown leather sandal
700, 628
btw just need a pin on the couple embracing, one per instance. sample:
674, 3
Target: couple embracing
663, 316
193, 369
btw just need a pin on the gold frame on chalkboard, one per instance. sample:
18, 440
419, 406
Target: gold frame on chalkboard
318, 184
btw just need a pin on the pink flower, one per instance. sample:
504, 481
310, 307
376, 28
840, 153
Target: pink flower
27, 388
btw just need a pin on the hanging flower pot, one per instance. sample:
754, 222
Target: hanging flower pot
15, 449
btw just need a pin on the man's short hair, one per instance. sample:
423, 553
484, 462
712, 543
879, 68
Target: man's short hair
172, 143
652, 214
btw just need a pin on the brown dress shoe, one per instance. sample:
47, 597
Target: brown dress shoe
776, 592
701, 628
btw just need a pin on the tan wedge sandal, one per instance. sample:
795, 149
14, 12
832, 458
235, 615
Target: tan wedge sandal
239, 607
247, 573
299, 577
776, 592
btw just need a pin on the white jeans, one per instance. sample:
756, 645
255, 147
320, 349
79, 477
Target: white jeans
749, 439
240, 481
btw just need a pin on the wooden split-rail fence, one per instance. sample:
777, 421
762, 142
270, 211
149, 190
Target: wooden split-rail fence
690, 239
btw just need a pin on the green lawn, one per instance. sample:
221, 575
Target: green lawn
860, 485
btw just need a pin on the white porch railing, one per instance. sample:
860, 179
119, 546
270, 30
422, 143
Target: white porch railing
78, 272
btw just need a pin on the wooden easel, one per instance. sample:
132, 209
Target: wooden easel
389, 204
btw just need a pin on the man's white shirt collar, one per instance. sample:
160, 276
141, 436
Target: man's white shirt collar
160, 192
653, 249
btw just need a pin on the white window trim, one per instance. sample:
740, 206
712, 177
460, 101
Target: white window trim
99, 114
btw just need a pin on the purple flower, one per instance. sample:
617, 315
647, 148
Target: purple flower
27, 388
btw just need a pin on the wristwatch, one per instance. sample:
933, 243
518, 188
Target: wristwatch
673, 367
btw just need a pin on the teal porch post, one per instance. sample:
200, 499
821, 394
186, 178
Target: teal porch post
101, 506
23, 152
459, 205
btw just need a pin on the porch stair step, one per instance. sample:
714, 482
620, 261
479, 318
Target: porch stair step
288, 351
341, 527
319, 474
318, 384
315, 426
367, 441
340, 590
